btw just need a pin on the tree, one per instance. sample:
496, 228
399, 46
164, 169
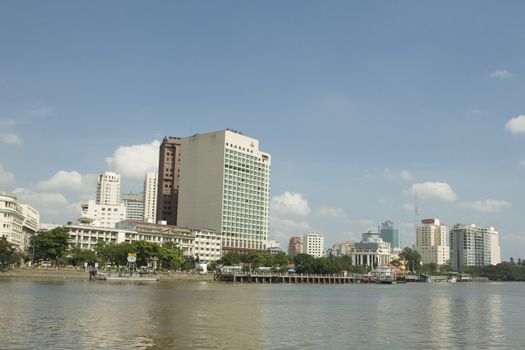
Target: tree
230, 259
171, 256
8, 253
50, 245
412, 257
78, 256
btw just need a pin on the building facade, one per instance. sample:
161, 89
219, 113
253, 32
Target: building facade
294, 246
313, 244
102, 215
224, 185
474, 246
207, 246
431, 242
134, 203
108, 188
390, 233
343, 248
150, 197
168, 180
12, 220
371, 252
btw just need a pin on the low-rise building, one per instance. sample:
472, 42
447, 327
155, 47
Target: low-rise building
372, 251
17, 221
102, 215
342, 248
208, 246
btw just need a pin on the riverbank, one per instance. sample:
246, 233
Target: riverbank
80, 274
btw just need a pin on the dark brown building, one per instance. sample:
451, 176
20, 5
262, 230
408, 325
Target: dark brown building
168, 185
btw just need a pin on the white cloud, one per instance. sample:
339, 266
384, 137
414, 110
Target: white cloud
522, 163
136, 160
501, 74
10, 139
516, 125
329, 212
69, 181
433, 190
290, 204
6, 178
282, 229
405, 175
408, 207
47, 203
486, 205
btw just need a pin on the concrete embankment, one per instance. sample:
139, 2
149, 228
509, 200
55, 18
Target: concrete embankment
71, 274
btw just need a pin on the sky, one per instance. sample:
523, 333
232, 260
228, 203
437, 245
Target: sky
360, 103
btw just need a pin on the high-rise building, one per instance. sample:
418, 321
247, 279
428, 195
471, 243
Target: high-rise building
473, 246
134, 203
294, 246
313, 244
150, 197
108, 188
431, 242
224, 185
343, 248
168, 180
389, 233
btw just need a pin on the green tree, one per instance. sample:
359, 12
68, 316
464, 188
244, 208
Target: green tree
412, 257
9, 255
230, 259
78, 256
170, 256
145, 251
50, 245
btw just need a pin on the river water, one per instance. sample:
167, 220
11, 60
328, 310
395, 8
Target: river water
206, 315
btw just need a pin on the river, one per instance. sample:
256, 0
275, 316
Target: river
206, 315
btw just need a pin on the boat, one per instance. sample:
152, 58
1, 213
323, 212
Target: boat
384, 275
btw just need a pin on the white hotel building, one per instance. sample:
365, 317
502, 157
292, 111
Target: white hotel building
224, 186
431, 242
17, 221
313, 244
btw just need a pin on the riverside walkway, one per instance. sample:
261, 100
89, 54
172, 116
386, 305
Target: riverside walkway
258, 277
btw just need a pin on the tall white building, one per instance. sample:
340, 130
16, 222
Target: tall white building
101, 215
224, 185
150, 197
17, 221
313, 244
474, 246
108, 188
431, 242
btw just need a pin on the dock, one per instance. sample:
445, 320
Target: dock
240, 277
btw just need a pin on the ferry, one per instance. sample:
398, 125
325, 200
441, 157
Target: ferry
384, 275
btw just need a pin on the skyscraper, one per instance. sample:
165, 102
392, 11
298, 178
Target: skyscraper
389, 233
474, 246
225, 186
150, 197
294, 246
108, 188
431, 242
168, 180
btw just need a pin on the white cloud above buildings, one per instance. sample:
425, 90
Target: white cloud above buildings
516, 125
486, 205
433, 190
7, 178
330, 212
52, 204
405, 175
69, 181
136, 160
393, 175
10, 139
501, 74
290, 204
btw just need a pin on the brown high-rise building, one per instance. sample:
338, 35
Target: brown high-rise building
168, 182
294, 246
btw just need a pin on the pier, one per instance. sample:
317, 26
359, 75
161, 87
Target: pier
240, 277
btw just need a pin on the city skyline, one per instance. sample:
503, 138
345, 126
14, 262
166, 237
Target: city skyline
360, 105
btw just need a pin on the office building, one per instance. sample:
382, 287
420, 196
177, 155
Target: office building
168, 180
294, 246
108, 189
390, 233
224, 186
17, 221
431, 242
134, 203
150, 197
474, 246
313, 244
101, 215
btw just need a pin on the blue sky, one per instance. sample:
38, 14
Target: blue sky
359, 103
